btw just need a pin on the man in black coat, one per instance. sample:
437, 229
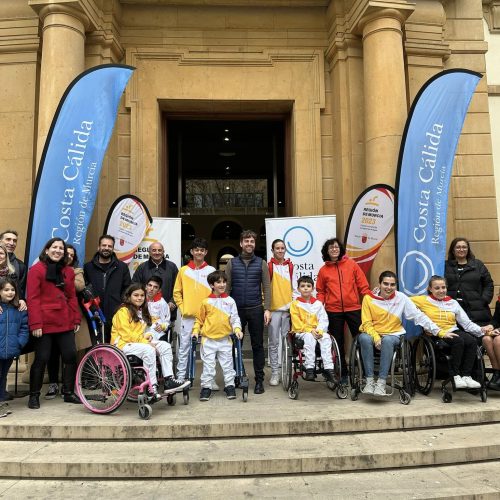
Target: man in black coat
109, 278
158, 265
9, 239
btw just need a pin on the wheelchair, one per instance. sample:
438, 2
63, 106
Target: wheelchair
106, 377
292, 366
431, 361
400, 374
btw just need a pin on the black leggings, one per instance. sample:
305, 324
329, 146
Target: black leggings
463, 353
336, 324
43, 348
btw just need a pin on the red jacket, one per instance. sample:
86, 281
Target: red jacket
50, 308
340, 284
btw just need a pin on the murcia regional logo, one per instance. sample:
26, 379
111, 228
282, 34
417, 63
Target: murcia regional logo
415, 265
298, 240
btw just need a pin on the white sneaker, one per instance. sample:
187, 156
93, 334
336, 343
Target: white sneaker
275, 379
471, 383
460, 383
214, 386
369, 387
380, 388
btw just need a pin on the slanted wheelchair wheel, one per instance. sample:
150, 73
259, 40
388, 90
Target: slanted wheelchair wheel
286, 363
145, 412
103, 379
406, 367
293, 391
355, 369
424, 365
337, 364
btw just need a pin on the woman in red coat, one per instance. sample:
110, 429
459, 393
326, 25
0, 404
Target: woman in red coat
341, 285
53, 316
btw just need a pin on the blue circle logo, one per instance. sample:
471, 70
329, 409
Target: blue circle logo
298, 240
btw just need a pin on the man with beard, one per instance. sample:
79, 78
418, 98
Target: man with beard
9, 239
158, 265
109, 278
248, 283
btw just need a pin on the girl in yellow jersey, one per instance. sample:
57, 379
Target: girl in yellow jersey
446, 313
280, 272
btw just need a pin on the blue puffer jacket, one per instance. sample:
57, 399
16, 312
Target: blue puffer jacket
14, 331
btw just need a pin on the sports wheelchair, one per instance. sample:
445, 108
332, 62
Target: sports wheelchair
292, 366
400, 375
431, 361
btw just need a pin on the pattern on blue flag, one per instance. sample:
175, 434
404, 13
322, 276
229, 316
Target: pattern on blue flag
68, 176
426, 158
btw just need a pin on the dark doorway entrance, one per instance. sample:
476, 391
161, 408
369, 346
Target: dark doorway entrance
225, 174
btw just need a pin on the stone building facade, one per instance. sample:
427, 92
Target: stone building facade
339, 74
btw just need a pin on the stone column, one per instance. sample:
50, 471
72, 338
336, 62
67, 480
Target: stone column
385, 106
63, 58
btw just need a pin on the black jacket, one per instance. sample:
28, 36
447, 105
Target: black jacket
108, 284
472, 288
167, 271
20, 268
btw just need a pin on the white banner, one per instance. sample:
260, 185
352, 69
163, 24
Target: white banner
128, 221
168, 232
303, 237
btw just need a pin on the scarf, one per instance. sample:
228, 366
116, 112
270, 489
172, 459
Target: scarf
54, 273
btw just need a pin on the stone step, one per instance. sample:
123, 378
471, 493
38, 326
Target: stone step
458, 482
250, 456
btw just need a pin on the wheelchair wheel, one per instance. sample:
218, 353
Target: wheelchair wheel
342, 392
293, 391
145, 412
404, 397
185, 397
354, 395
424, 365
355, 368
286, 363
103, 379
446, 397
406, 367
171, 400
337, 364
244, 395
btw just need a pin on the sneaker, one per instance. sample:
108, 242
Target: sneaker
369, 386
379, 389
471, 383
52, 392
230, 392
4, 409
205, 394
259, 387
330, 376
309, 375
459, 382
7, 397
34, 401
72, 398
275, 379
214, 386
173, 385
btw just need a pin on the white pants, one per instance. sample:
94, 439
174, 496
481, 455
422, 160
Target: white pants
277, 330
147, 352
184, 347
325, 344
221, 349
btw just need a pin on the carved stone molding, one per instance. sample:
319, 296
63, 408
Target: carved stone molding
491, 10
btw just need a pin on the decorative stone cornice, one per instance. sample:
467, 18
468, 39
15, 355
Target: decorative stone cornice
70, 8
364, 11
491, 10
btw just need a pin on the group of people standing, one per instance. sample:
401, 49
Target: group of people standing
262, 294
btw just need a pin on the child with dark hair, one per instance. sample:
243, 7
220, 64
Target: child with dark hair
310, 323
190, 288
217, 318
14, 334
